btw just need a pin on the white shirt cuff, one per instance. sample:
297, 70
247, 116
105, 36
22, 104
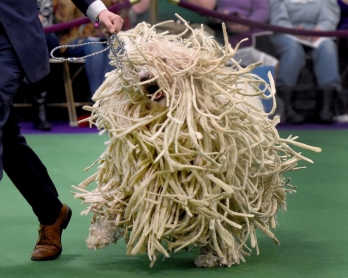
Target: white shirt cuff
94, 9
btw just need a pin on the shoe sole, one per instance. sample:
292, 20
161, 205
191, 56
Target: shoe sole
47, 259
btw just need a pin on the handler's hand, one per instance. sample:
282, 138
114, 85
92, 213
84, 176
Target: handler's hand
112, 22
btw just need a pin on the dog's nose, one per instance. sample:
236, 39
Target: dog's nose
151, 88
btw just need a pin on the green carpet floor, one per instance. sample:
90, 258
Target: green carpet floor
313, 233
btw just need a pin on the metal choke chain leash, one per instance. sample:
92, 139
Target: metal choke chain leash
117, 50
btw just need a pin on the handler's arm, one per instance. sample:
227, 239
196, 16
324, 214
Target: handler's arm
97, 11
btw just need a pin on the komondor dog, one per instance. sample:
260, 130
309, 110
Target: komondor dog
192, 158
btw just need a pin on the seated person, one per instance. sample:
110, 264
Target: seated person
256, 10
292, 50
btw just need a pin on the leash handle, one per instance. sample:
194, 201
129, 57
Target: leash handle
117, 49
69, 59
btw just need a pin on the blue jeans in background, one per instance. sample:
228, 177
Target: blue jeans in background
97, 65
292, 56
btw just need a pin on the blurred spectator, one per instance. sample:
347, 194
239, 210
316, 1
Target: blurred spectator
293, 50
142, 12
256, 10
96, 66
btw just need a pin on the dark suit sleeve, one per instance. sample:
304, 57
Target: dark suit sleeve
83, 5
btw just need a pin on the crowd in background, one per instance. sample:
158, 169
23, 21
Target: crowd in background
288, 54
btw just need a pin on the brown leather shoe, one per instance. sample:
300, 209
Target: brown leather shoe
48, 245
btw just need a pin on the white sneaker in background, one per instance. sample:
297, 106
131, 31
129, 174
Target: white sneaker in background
341, 118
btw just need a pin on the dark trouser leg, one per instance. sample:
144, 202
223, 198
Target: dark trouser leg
28, 173
18, 160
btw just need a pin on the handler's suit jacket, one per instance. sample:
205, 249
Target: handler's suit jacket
20, 19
